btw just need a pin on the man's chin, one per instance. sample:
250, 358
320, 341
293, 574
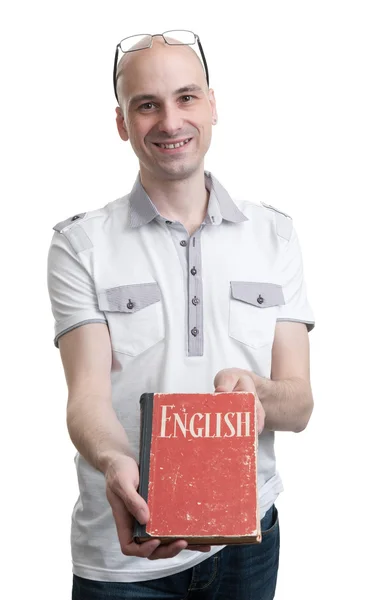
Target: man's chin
174, 171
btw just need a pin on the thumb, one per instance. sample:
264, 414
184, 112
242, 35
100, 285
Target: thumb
122, 487
134, 503
245, 383
226, 380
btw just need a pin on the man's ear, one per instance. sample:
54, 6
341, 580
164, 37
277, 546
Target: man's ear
214, 106
121, 125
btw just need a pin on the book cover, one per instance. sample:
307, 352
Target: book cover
198, 468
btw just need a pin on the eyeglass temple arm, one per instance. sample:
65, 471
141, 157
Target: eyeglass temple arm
115, 71
204, 60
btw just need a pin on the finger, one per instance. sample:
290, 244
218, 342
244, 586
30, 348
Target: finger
124, 525
198, 548
144, 550
260, 417
168, 550
245, 384
260, 425
226, 380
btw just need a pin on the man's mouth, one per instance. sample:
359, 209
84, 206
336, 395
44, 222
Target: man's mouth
173, 145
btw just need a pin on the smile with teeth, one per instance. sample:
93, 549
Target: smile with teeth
172, 146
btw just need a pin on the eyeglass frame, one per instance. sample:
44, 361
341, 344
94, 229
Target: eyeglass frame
197, 39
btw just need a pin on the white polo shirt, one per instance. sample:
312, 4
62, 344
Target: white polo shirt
179, 309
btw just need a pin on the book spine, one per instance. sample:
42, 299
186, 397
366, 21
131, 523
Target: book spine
146, 421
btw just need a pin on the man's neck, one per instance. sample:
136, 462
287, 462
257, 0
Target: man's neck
183, 200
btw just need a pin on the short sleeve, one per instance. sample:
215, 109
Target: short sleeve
71, 289
296, 307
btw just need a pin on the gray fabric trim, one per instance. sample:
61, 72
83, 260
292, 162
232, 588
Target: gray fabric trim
275, 209
75, 218
129, 298
228, 209
213, 215
142, 209
78, 239
310, 324
284, 223
56, 340
260, 294
195, 288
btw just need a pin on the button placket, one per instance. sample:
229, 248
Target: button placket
195, 305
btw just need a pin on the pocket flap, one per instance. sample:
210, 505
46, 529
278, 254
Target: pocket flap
129, 298
260, 294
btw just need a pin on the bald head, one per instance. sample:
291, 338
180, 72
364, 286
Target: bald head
164, 100
134, 64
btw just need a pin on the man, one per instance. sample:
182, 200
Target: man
173, 288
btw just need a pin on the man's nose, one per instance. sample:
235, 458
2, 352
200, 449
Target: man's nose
171, 120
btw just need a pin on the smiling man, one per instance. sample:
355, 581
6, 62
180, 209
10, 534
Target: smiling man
166, 112
173, 288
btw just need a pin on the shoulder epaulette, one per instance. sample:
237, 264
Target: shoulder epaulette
76, 218
276, 209
76, 235
284, 222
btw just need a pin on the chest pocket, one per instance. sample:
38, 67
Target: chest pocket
253, 311
135, 316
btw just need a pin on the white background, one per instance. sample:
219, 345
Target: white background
290, 82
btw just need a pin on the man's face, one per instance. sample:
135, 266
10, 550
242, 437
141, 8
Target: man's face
165, 101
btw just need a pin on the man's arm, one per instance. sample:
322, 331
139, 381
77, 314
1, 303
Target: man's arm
95, 430
92, 422
101, 439
287, 396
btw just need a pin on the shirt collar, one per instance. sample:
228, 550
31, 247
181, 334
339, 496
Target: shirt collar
220, 205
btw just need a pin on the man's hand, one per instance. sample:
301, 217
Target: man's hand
122, 479
239, 380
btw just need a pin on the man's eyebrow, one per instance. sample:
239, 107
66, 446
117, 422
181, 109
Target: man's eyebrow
150, 97
142, 98
189, 88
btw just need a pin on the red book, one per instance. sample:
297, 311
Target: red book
198, 468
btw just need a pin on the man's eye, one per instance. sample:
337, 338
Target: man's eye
186, 98
146, 106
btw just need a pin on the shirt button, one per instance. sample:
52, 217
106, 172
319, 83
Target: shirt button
260, 299
130, 305
183, 243
195, 300
193, 271
75, 218
194, 331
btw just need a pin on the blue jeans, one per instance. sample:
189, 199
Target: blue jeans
243, 572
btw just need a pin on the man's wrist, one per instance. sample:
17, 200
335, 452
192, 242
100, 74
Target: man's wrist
262, 385
108, 458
